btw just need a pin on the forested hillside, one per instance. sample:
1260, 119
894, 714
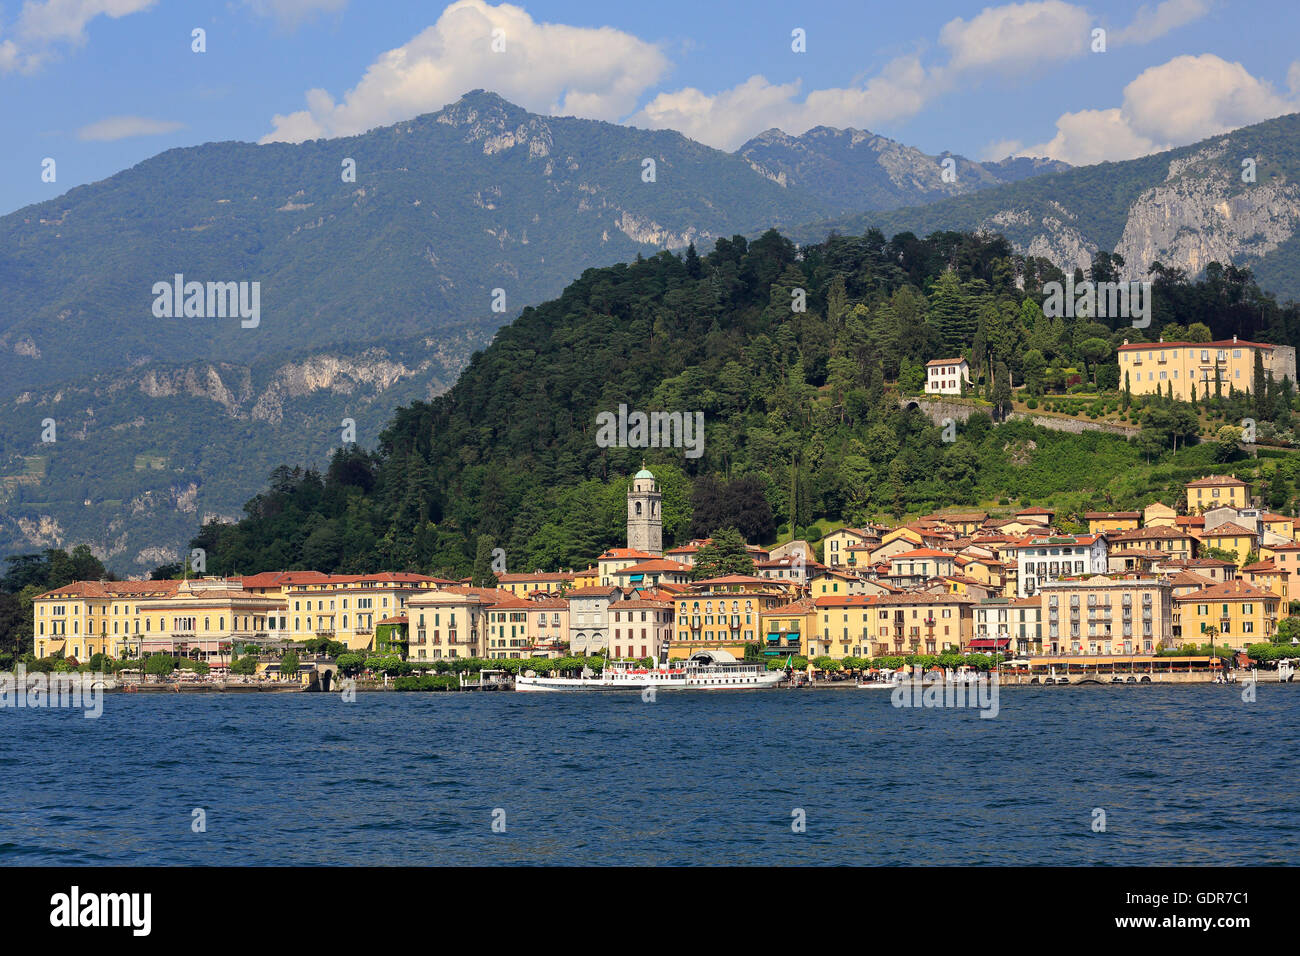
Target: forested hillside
800, 407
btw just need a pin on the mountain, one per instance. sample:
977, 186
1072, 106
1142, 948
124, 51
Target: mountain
373, 293
387, 282
801, 420
444, 209
1185, 208
860, 170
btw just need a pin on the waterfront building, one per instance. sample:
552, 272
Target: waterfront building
890, 624
451, 622
1206, 368
1008, 625
724, 613
1107, 615
786, 628
519, 628
589, 618
1235, 614
639, 628
86, 618
345, 607
207, 619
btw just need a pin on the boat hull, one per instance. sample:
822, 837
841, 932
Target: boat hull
572, 684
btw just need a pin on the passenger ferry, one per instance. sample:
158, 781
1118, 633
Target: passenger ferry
706, 670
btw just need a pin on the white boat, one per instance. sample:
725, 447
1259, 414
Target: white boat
888, 681
706, 670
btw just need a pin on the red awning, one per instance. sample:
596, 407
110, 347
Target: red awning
989, 643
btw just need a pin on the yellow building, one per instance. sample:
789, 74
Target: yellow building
1217, 491
616, 559
1233, 539
86, 618
892, 624
835, 546
589, 578
523, 585
1159, 515
786, 628
1154, 367
209, 619
519, 629
725, 613
1267, 576
1235, 614
345, 608
1100, 522
452, 622
1107, 615
1278, 524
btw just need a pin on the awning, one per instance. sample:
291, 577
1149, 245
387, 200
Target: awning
989, 643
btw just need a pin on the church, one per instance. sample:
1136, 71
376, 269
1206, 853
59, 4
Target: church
645, 520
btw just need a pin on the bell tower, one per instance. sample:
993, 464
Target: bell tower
645, 520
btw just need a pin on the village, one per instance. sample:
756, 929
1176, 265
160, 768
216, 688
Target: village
1136, 585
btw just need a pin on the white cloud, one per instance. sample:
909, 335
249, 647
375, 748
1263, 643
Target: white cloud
548, 68
1151, 24
1184, 100
292, 12
1293, 78
122, 127
727, 119
1017, 35
43, 25
65, 20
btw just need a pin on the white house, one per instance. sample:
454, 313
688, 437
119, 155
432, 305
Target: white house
944, 376
1041, 560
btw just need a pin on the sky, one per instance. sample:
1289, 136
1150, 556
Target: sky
100, 85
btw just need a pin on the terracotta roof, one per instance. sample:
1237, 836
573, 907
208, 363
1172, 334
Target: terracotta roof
1230, 528
111, 589
949, 361
1219, 344
520, 578
1103, 515
1229, 591
658, 564
1219, 481
594, 590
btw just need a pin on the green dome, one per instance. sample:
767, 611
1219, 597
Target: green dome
643, 473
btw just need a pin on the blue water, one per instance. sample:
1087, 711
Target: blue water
1185, 775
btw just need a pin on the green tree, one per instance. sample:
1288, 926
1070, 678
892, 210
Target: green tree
724, 554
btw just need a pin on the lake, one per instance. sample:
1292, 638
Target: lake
1184, 775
